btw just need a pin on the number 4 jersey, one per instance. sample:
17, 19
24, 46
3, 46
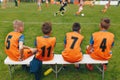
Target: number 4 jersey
72, 52
102, 43
45, 47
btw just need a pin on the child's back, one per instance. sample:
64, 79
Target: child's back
103, 41
72, 51
45, 47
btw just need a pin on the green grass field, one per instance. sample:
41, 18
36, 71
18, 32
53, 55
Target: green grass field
33, 19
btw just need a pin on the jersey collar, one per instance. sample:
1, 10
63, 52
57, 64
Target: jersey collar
104, 30
46, 36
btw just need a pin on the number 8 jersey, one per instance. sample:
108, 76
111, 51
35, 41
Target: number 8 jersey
45, 47
72, 52
102, 43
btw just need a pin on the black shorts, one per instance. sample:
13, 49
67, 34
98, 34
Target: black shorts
62, 9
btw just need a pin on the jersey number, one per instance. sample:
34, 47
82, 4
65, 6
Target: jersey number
8, 42
103, 45
74, 41
43, 51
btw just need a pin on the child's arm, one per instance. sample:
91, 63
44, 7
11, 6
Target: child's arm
21, 50
21, 47
26, 47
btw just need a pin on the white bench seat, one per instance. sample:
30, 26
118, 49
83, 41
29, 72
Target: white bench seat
58, 59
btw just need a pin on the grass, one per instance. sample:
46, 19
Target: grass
33, 19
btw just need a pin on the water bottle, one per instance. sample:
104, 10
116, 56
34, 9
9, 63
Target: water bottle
48, 71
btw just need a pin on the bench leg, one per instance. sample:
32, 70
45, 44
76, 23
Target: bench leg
57, 70
101, 70
10, 71
102, 73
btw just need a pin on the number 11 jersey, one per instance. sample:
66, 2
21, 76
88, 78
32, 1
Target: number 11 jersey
45, 47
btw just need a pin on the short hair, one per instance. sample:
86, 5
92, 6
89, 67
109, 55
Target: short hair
105, 23
17, 23
46, 27
76, 27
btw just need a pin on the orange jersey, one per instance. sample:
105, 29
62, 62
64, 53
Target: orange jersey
12, 45
45, 47
102, 45
72, 51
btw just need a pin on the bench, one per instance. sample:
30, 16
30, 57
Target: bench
58, 59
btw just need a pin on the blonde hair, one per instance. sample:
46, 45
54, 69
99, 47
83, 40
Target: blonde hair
17, 23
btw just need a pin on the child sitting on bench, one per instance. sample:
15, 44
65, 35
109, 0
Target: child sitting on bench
14, 43
45, 50
72, 52
101, 43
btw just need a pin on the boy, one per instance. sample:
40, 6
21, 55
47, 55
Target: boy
80, 8
62, 8
14, 41
72, 52
101, 43
106, 7
39, 4
45, 49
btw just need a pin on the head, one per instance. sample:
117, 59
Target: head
76, 27
47, 28
104, 24
18, 26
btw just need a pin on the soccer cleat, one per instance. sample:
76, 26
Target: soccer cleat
64, 66
77, 13
89, 67
62, 14
104, 67
77, 66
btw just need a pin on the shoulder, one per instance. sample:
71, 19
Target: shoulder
111, 34
38, 37
96, 33
53, 38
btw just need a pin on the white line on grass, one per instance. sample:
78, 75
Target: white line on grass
59, 23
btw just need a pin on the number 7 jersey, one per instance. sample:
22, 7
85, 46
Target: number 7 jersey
72, 52
45, 47
103, 41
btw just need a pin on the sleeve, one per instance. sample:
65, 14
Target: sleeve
65, 40
112, 44
91, 41
21, 39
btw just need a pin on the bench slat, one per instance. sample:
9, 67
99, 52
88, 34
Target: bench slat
58, 59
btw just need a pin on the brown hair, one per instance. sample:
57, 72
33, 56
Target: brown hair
105, 23
76, 27
46, 27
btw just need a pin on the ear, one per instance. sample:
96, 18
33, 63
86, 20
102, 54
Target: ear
80, 31
100, 25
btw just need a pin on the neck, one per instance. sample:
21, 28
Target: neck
17, 30
46, 35
102, 29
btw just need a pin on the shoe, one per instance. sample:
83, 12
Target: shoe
89, 67
64, 66
105, 67
77, 66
